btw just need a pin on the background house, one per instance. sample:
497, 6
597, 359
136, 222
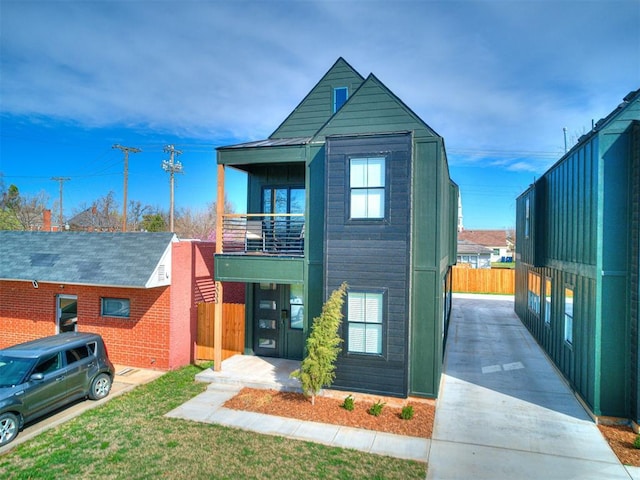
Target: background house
577, 262
501, 242
353, 186
138, 290
473, 255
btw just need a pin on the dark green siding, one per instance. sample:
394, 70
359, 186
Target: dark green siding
585, 237
317, 106
433, 251
374, 110
256, 269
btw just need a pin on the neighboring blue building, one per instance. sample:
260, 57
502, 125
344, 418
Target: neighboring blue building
577, 262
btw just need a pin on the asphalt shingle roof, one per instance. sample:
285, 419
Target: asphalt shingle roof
83, 258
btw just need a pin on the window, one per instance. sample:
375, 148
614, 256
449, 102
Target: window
48, 365
115, 307
547, 301
364, 319
296, 301
367, 184
526, 218
533, 299
568, 315
340, 95
76, 354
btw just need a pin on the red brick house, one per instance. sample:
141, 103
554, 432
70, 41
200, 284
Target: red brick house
138, 290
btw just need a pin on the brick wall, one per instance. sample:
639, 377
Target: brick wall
142, 340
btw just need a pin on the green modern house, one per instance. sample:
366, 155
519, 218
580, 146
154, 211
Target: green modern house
352, 187
577, 262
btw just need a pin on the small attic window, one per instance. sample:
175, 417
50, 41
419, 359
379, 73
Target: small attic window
340, 95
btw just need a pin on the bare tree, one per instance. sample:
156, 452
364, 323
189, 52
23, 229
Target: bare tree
200, 224
136, 214
29, 210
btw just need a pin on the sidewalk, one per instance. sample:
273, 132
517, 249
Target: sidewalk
504, 412
207, 407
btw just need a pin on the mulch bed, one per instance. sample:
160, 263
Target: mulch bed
329, 410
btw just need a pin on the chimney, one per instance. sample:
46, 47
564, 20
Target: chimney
46, 220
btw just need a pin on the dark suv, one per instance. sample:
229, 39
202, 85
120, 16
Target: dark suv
40, 376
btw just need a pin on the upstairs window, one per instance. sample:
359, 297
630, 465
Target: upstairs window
367, 185
340, 95
364, 320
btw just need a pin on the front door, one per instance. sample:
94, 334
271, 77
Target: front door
278, 321
66, 313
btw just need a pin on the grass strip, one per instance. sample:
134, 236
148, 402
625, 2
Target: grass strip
129, 437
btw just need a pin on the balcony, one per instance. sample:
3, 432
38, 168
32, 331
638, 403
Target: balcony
263, 234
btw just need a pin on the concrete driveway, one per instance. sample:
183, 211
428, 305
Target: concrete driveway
126, 379
504, 412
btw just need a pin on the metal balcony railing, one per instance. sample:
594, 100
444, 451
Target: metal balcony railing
263, 234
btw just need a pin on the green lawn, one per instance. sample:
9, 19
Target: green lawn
129, 438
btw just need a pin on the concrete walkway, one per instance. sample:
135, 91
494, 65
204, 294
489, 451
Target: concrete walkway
273, 373
504, 412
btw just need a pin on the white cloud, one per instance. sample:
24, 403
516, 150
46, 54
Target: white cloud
483, 74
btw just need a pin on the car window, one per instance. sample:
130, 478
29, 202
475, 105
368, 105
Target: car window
48, 365
76, 354
92, 346
13, 370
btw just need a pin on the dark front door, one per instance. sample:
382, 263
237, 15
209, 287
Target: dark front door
278, 333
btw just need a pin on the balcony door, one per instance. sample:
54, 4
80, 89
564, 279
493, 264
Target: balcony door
283, 230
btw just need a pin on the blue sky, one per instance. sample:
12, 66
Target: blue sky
499, 80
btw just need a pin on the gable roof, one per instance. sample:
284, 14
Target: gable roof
82, 258
373, 108
465, 247
490, 238
317, 106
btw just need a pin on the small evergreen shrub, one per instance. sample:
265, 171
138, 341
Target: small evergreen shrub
349, 403
636, 442
407, 412
317, 369
376, 408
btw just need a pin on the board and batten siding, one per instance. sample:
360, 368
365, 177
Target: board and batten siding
371, 255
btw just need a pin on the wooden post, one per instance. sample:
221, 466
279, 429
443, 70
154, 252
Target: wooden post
217, 322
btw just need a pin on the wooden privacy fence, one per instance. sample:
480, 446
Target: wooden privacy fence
484, 280
232, 330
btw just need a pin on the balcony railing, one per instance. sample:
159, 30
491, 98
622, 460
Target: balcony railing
263, 234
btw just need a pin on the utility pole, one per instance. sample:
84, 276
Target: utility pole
172, 167
126, 151
61, 180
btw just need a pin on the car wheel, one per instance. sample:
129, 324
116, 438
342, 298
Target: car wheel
100, 387
8, 428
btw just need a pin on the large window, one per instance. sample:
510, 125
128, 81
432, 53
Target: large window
364, 320
367, 184
115, 307
533, 298
568, 315
547, 301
